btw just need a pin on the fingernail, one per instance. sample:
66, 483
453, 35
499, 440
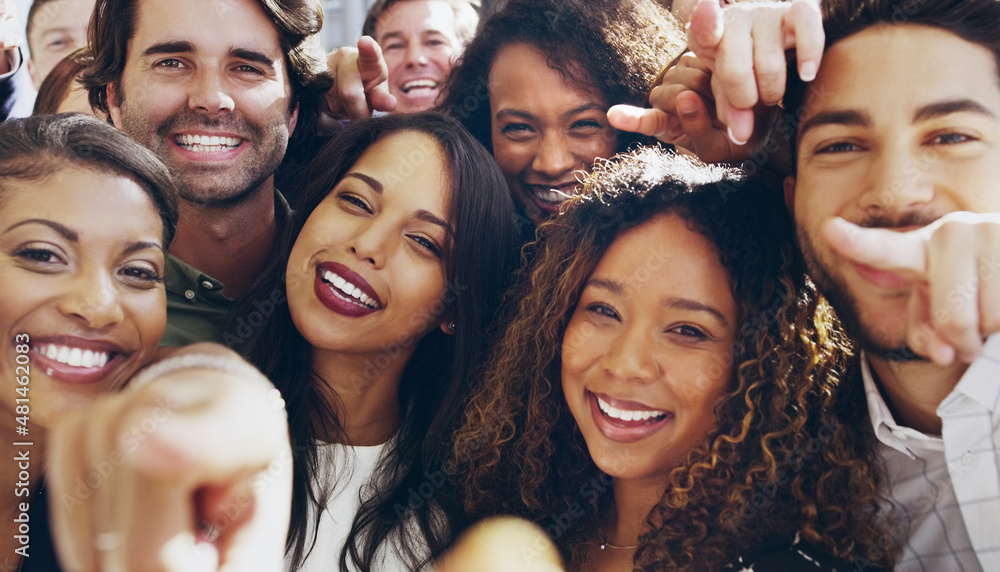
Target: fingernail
733, 138
808, 71
686, 107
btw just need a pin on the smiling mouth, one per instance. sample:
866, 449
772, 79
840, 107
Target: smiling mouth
421, 84
626, 418
552, 196
74, 357
349, 292
207, 143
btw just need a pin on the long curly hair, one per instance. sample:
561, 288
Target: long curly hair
788, 454
614, 47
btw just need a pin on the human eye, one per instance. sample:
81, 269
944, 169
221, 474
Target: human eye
689, 332
603, 310
169, 63
951, 138
249, 70
393, 46
353, 201
517, 131
39, 255
58, 43
587, 124
838, 147
141, 274
426, 244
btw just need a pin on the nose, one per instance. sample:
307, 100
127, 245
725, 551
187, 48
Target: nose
630, 357
900, 183
555, 158
415, 55
208, 93
370, 244
93, 301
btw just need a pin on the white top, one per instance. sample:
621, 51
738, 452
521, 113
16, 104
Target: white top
946, 490
352, 467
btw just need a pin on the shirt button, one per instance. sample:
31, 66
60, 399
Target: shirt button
207, 285
968, 461
189, 294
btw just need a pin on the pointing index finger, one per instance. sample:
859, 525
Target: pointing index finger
903, 252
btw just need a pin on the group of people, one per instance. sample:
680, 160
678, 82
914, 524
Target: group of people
670, 309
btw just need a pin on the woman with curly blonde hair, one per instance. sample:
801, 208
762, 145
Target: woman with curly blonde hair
669, 393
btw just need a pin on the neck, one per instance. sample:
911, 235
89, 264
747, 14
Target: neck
364, 396
914, 390
232, 243
633, 501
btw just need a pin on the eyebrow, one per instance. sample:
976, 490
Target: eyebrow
143, 245
942, 108
66, 233
183, 46
526, 115
845, 117
375, 185
424, 215
669, 301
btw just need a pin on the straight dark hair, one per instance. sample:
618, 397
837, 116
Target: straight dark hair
436, 381
37, 147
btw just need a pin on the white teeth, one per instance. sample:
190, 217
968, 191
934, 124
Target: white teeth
419, 83
550, 196
625, 415
348, 289
207, 143
76, 357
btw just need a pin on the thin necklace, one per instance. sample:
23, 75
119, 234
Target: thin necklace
604, 545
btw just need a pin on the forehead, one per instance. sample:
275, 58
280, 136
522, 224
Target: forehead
891, 71
81, 195
416, 15
208, 25
61, 14
520, 72
411, 166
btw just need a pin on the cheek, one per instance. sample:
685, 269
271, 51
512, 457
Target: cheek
148, 312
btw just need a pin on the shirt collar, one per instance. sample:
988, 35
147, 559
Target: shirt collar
888, 432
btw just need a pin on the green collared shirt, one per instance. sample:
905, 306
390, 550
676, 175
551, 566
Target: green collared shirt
196, 308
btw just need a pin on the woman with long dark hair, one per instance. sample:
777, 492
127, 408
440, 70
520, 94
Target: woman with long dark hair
393, 268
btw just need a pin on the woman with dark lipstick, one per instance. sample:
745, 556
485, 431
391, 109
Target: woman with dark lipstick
86, 215
536, 82
667, 397
393, 267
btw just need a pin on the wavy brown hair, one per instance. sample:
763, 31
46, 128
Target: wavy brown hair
788, 455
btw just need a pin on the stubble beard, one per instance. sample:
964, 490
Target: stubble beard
207, 187
848, 308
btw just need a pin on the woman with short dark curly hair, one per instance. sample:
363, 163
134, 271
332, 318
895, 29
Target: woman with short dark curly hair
535, 84
669, 394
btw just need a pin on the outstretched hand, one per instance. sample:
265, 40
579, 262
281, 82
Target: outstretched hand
954, 265
189, 472
361, 81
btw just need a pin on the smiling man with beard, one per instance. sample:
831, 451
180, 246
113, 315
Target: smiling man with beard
898, 217
216, 90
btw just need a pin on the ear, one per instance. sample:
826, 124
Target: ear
114, 106
448, 327
35, 81
293, 120
790, 194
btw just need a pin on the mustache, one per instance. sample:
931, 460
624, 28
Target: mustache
905, 220
189, 119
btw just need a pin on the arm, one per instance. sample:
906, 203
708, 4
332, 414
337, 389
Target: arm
196, 471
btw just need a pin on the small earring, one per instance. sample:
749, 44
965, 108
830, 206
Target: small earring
452, 327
